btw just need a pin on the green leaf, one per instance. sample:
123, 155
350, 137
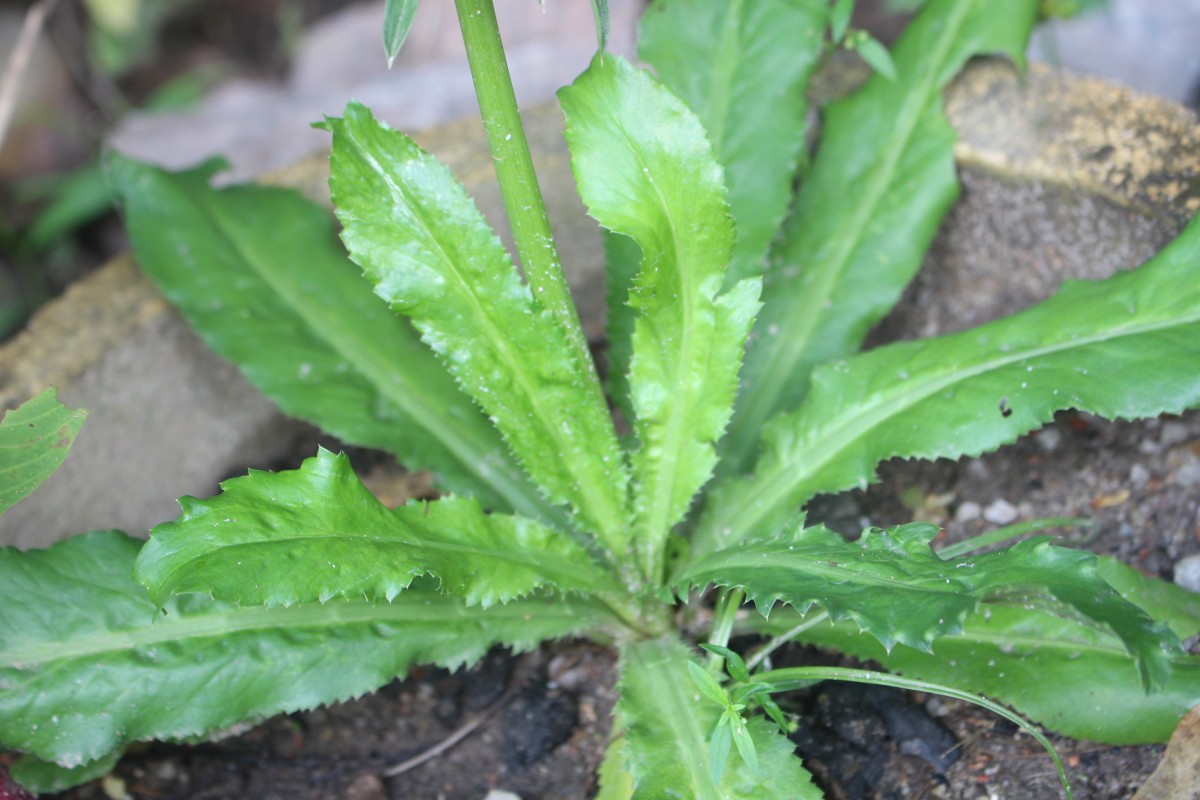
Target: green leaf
41, 777
1172, 605
34, 441
720, 744
708, 685
615, 781
645, 170
622, 259
397, 20
898, 590
1124, 348
87, 665
743, 740
743, 66
284, 303
839, 20
433, 258
666, 730
733, 662
317, 533
1069, 677
876, 55
878, 188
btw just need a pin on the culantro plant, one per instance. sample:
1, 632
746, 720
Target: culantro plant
738, 306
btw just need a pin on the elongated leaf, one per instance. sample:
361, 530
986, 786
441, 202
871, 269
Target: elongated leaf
878, 188
432, 256
1126, 347
317, 533
397, 20
1071, 678
898, 590
34, 440
282, 301
666, 725
645, 170
87, 665
743, 66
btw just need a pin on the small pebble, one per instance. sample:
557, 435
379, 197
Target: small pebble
1139, 476
1189, 474
1149, 447
1187, 573
1049, 438
968, 511
978, 469
1000, 512
1174, 433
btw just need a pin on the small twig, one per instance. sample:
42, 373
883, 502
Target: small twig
469, 727
18, 61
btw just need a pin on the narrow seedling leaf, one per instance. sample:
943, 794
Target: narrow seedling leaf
898, 590
317, 533
708, 684
645, 170
839, 19
743, 740
397, 20
431, 255
283, 302
875, 54
720, 744
201, 665
35, 438
733, 662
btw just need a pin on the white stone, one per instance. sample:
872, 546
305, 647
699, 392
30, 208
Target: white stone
1187, 573
968, 511
1000, 512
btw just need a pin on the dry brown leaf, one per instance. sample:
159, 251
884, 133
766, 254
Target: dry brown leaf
1178, 776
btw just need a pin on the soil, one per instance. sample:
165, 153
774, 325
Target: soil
537, 722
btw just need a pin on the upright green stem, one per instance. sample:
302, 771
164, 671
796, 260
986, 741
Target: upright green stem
514, 167
728, 603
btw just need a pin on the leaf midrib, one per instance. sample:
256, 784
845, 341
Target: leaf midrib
253, 618
789, 473
655, 525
